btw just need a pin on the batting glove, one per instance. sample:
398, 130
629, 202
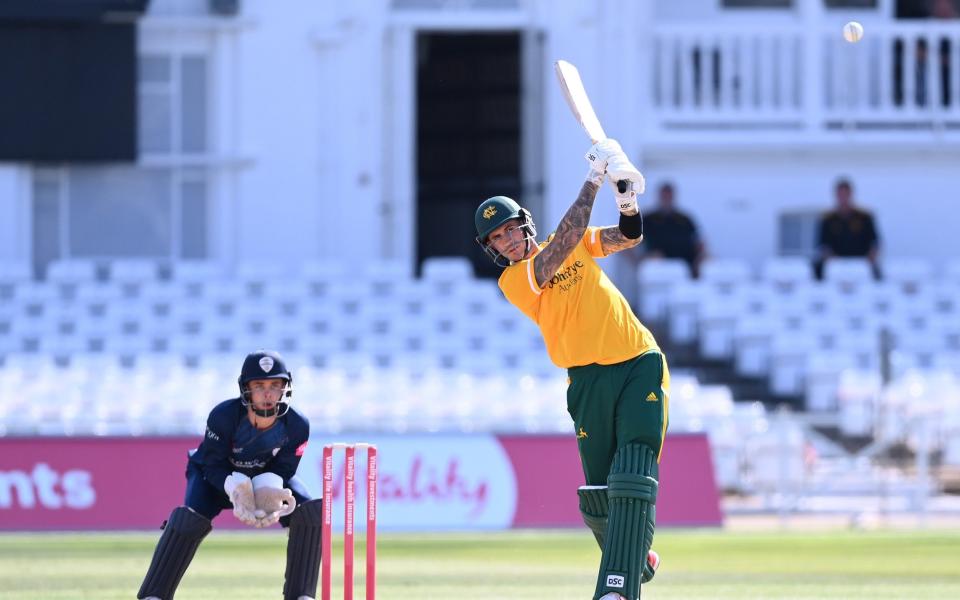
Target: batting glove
627, 181
598, 155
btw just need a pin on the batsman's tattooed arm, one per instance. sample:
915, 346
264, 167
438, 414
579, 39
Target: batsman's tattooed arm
614, 241
569, 233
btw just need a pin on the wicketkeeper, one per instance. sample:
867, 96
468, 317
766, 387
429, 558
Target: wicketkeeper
618, 377
247, 461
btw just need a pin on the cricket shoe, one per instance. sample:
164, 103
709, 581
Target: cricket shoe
650, 569
612, 596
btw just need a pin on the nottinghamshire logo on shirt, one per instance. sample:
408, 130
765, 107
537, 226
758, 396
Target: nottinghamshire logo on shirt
568, 277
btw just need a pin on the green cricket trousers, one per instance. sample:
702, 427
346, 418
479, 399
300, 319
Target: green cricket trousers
615, 405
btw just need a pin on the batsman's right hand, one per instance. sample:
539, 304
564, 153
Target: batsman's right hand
239, 489
627, 182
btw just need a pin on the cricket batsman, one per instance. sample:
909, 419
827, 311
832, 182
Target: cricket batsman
247, 461
618, 378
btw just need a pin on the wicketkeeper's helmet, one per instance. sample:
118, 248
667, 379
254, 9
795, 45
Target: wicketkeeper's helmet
266, 364
493, 213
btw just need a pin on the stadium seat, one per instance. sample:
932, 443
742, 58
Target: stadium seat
656, 277
195, 276
823, 376
255, 276
96, 298
787, 273
322, 276
858, 395
67, 274
447, 268
197, 270
382, 277
12, 274
130, 275
951, 271
945, 297
848, 274
753, 341
74, 270
788, 362
716, 324
683, 306
908, 274
288, 296
725, 275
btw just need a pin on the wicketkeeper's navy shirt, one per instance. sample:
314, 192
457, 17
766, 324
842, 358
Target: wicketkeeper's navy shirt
231, 443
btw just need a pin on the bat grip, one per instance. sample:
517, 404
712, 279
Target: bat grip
622, 186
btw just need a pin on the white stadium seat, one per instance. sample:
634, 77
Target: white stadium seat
448, 268
656, 277
908, 274
787, 273
848, 274
725, 275
71, 271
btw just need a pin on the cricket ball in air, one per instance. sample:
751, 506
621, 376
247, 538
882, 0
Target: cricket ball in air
852, 32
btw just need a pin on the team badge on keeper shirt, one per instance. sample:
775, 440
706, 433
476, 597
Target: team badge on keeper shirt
266, 363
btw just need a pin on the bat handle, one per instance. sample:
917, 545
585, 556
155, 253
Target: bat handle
622, 186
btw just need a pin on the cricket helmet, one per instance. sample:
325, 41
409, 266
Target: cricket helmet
266, 364
494, 212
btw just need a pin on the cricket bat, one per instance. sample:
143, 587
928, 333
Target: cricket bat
578, 100
579, 103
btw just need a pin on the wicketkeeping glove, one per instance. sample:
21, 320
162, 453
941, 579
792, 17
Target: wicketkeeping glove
272, 499
239, 489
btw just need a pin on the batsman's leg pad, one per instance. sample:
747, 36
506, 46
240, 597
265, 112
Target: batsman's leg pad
632, 492
182, 534
593, 509
303, 551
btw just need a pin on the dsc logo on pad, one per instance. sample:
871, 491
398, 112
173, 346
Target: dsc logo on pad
615, 581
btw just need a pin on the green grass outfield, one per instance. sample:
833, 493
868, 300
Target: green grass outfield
518, 564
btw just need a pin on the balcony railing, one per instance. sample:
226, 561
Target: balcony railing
899, 78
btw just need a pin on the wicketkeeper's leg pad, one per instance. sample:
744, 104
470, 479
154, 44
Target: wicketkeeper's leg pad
593, 509
303, 551
182, 534
632, 492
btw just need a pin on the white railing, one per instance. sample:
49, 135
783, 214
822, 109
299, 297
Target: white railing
900, 76
734, 76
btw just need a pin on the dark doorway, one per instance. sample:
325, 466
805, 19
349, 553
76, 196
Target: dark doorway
468, 137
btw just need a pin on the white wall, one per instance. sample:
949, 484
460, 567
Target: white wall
316, 104
736, 197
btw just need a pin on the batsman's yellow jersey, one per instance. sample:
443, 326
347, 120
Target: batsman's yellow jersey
583, 317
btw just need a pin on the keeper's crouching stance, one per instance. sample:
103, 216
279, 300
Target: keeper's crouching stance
619, 382
247, 461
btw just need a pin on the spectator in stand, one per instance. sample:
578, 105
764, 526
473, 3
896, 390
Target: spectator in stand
671, 233
847, 231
